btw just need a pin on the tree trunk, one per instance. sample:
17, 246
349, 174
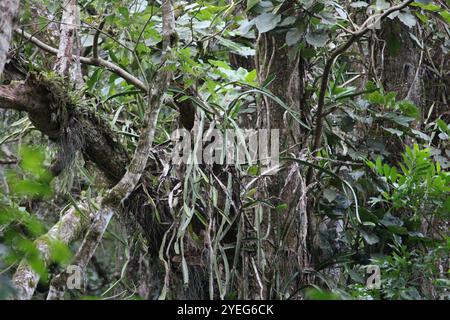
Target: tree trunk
8, 13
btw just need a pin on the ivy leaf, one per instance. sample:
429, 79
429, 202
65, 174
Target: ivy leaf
267, 22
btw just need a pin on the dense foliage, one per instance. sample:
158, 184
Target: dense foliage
358, 89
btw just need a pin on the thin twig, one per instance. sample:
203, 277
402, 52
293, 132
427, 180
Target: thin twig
89, 61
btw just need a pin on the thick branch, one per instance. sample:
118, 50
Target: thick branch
101, 145
20, 96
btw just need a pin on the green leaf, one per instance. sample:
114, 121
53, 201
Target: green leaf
359, 4
220, 64
443, 126
253, 170
293, 36
375, 98
267, 22
30, 188
393, 175
251, 4
390, 220
426, 5
401, 120
369, 237
330, 194
407, 19
318, 294
386, 170
251, 77
236, 47
32, 160
408, 108
60, 252
421, 135
379, 165
445, 15
94, 78
281, 207
316, 39
398, 230
381, 5
245, 27
447, 204
398, 133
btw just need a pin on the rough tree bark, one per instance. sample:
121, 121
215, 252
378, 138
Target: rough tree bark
66, 38
275, 58
8, 13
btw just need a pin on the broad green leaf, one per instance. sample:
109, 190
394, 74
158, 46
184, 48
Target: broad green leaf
407, 19
369, 237
329, 194
267, 22
381, 5
445, 15
251, 4
293, 36
390, 220
398, 133
316, 39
